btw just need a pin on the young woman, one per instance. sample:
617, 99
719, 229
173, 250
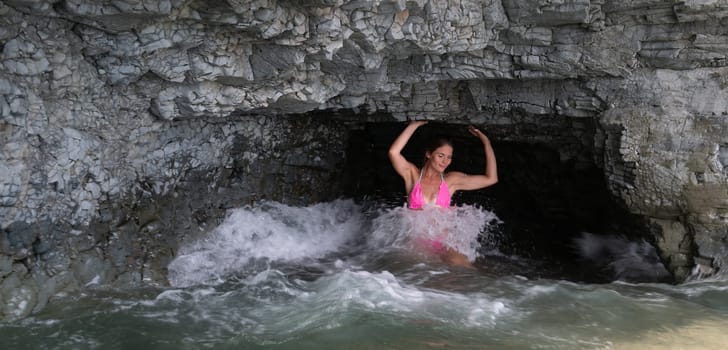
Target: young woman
431, 186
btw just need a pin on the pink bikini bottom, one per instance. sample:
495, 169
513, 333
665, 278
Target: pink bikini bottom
431, 245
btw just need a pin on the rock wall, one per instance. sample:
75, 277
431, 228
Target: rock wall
108, 106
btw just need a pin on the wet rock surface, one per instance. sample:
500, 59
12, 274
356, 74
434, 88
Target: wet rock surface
128, 126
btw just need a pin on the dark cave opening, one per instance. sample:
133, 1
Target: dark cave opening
545, 202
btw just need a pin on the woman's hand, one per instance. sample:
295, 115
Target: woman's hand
418, 123
479, 134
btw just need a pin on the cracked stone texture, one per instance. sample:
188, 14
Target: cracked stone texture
107, 107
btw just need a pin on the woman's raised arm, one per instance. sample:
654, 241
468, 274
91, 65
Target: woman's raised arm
401, 165
475, 182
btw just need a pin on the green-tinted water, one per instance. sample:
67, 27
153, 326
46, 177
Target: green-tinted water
247, 291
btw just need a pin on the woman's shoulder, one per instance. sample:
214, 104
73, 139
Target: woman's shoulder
453, 178
454, 175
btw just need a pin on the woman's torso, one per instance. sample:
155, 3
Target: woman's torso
418, 200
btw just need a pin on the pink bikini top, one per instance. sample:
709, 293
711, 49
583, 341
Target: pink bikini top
417, 199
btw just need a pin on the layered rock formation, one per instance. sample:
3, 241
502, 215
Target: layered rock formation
108, 108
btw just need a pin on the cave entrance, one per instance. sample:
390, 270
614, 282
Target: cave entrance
544, 198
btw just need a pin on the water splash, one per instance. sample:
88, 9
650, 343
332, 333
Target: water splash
277, 232
458, 228
364, 294
274, 232
621, 258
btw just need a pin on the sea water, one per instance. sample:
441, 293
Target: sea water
340, 275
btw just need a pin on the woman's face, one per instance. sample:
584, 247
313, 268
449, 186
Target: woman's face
441, 158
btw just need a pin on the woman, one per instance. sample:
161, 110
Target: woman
431, 186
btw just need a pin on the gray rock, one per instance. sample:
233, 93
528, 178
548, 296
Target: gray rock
18, 296
113, 110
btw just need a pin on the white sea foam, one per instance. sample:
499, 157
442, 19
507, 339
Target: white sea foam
272, 231
350, 293
414, 306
